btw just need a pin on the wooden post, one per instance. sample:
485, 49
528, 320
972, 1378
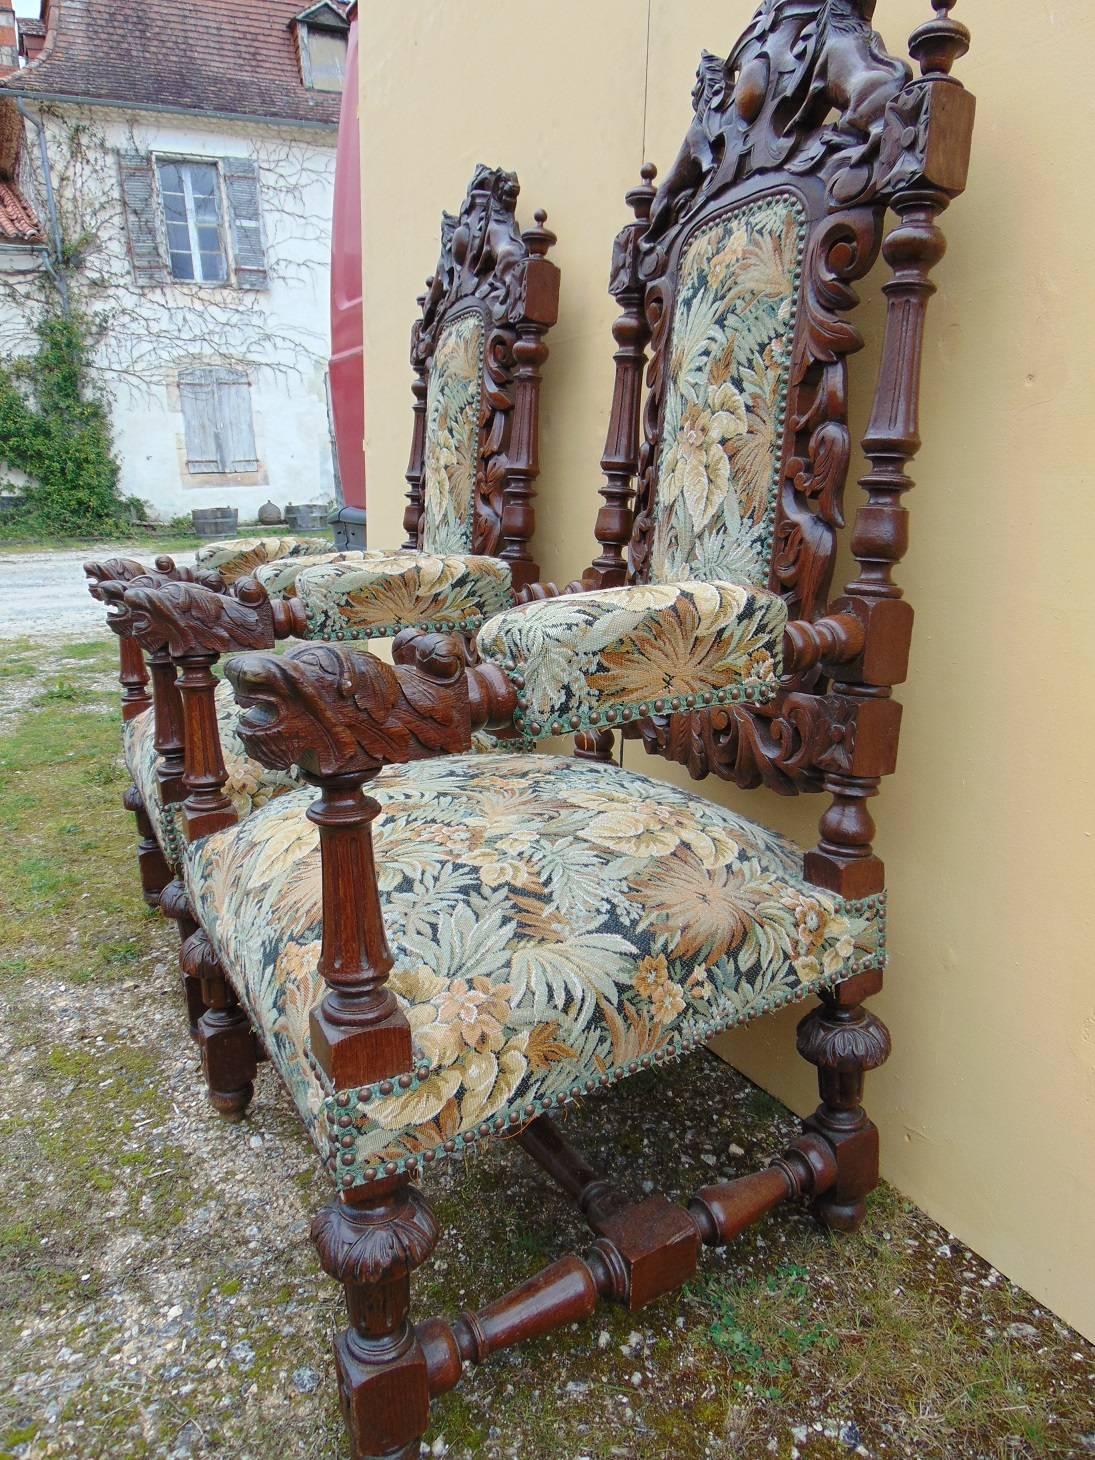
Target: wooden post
359, 1033
541, 309
621, 455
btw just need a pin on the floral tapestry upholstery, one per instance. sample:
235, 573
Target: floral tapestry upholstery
451, 454
279, 577
554, 924
241, 556
583, 658
722, 425
385, 592
249, 784
141, 760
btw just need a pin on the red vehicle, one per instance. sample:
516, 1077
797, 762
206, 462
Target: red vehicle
347, 365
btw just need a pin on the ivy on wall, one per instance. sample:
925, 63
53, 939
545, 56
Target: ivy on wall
55, 428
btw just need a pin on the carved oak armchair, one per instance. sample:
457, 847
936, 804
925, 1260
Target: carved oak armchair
442, 948
476, 351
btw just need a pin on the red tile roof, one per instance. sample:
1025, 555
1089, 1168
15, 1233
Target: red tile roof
17, 223
238, 58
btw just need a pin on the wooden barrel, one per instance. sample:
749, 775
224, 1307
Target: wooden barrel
309, 518
212, 522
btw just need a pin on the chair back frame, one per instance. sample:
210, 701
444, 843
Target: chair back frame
487, 266
809, 103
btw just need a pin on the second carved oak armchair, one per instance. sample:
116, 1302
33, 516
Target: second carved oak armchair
476, 352
439, 948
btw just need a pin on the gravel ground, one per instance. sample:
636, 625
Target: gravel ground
45, 594
159, 1295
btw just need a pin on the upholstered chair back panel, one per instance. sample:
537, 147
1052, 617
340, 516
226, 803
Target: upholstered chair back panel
453, 391
729, 358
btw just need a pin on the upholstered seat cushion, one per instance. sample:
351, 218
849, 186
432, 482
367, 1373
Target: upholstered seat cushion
554, 924
249, 784
385, 592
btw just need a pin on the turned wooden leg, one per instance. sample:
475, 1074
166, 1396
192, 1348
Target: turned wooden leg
844, 1041
155, 872
224, 1034
175, 904
370, 1240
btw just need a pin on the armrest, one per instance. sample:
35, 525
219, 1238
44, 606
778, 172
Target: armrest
379, 594
593, 659
240, 557
340, 714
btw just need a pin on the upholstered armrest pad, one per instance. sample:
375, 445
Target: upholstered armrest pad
279, 578
240, 557
593, 658
382, 593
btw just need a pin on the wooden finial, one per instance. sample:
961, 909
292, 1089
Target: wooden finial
939, 42
639, 199
539, 239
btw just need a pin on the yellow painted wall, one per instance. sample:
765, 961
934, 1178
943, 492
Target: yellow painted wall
987, 1107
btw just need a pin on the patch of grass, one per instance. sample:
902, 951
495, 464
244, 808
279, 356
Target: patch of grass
60, 802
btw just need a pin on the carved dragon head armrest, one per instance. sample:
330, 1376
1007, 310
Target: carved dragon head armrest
113, 570
193, 618
335, 710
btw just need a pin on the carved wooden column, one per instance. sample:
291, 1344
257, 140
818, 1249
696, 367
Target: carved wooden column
934, 117
541, 309
370, 1240
621, 455
598, 745
843, 1040
416, 496
358, 1032
206, 808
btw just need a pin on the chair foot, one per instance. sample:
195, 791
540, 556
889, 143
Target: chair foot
371, 1240
844, 1041
154, 869
224, 1033
228, 1060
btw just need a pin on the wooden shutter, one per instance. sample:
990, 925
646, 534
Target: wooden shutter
241, 187
142, 216
197, 391
220, 429
235, 423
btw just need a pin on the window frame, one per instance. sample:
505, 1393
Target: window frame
183, 161
306, 29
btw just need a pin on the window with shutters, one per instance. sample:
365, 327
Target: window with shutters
194, 219
219, 427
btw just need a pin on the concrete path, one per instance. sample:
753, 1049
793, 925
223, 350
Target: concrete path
44, 595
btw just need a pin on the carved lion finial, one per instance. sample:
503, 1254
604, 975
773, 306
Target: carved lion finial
334, 709
111, 570
192, 619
